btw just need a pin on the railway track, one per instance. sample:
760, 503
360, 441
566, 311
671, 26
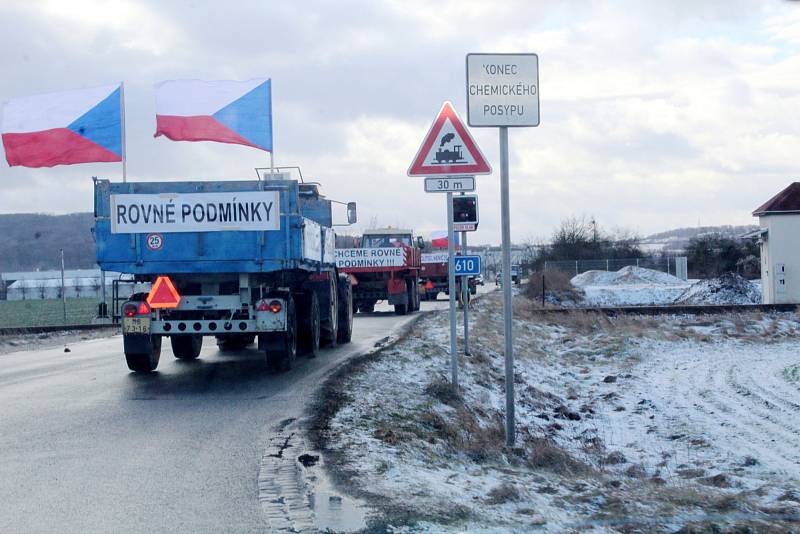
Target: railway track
677, 310
20, 330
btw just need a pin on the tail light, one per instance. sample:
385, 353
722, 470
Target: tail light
131, 309
273, 306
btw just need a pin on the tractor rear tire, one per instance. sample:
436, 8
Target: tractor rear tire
346, 310
310, 330
330, 326
186, 347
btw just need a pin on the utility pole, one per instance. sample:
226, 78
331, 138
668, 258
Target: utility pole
63, 289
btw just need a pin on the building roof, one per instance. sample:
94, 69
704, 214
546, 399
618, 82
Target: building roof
387, 231
787, 201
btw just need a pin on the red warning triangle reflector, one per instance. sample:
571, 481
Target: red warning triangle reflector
163, 294
449, 149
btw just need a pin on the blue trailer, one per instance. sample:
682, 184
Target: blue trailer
237, 260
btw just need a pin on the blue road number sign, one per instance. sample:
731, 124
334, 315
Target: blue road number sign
468, 265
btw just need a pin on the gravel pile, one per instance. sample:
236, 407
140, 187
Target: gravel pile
730, 288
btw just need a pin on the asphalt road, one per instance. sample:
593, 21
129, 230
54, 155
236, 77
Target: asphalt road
86, 446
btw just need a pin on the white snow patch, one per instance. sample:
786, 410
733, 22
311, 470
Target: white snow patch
676, 400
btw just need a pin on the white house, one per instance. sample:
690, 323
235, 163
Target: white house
779, 237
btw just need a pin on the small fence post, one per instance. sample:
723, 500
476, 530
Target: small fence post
637, 262
607, 265
576, 268
542, 289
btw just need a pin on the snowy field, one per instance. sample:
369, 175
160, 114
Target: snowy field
636, 286
628, 424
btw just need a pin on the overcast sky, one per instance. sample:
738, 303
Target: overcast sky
654, 115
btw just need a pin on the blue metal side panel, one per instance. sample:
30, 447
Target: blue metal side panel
202, 252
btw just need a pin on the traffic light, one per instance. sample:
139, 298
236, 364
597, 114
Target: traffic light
465, 209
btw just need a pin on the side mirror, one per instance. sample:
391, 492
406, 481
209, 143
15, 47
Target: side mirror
352, 214
420, 242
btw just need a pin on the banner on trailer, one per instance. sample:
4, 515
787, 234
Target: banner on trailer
435, 257
195, 212
370, 258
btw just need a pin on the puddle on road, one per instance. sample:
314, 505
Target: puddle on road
332, 510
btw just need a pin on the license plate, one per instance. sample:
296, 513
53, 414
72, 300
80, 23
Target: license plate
136, 325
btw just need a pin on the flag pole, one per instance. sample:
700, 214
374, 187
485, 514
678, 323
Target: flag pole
271, 138
124, 148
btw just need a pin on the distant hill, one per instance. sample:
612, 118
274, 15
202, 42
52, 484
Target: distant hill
31, 241
688, 233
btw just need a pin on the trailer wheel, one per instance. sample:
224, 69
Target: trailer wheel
186, 347
346, 310
415, 293
145, 359
282, 349
310, 325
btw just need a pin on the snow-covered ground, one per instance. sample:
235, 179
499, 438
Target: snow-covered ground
636, 286
624, 424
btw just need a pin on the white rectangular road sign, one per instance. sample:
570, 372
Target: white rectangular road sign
502, 90
447, 184
195, 212
464, 227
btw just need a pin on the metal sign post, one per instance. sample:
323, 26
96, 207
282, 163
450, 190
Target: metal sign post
451, 281
505, 225
503, 91
465, 290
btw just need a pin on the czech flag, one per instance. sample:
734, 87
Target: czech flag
439, 239
223, 111
65, 128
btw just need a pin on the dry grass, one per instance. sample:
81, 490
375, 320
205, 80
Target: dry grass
445, 392
503, 493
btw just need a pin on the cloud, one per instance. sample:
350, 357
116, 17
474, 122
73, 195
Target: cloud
654, 115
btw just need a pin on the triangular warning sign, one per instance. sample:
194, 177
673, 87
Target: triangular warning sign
163, 294
449, 149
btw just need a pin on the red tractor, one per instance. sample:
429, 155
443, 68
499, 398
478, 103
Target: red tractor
385, 267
